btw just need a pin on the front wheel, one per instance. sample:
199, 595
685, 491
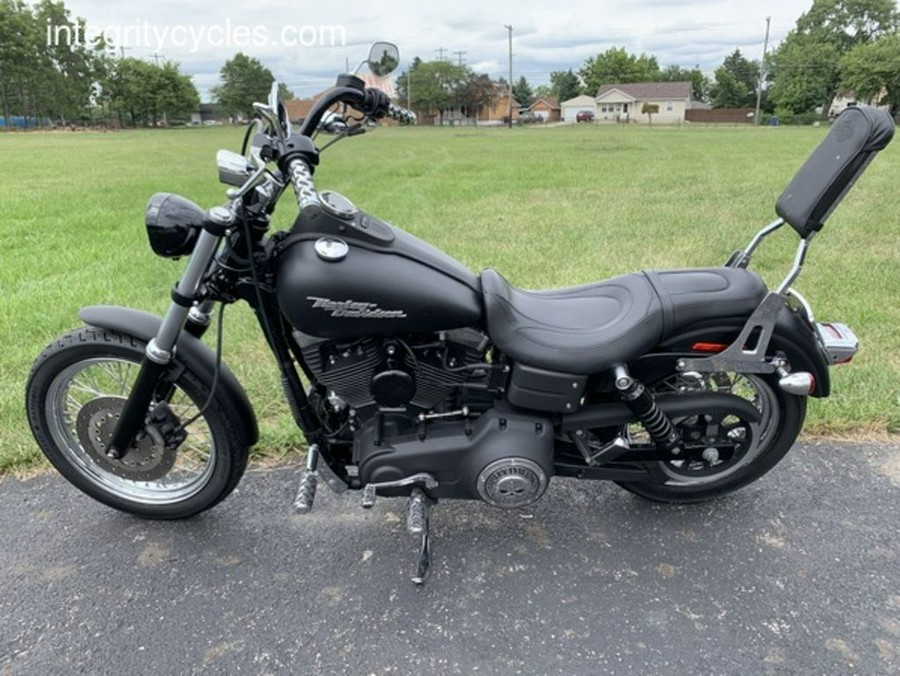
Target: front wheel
781, 420
179, 465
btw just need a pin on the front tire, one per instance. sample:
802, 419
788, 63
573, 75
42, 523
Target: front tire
75, 391
782, 416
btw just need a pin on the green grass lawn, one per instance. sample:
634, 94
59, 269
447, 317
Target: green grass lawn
547, 207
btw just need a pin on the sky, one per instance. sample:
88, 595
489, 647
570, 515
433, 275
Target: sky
305, 44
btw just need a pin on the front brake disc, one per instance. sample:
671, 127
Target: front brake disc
148, 459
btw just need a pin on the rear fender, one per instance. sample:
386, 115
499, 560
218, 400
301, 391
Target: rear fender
792, 337
190, 352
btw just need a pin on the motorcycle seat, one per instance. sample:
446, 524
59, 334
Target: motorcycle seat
586, 329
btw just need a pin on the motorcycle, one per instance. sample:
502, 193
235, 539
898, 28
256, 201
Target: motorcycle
410, 376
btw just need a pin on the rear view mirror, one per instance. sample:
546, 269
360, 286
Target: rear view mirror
384, 57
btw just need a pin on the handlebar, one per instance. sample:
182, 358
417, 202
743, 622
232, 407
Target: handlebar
372, 102
302, 182
401, 114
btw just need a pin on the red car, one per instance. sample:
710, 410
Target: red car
585, 116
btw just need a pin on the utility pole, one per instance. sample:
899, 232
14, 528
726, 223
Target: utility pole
459, 56
156, 56
762, 70
510, 29
440, 51
122, 49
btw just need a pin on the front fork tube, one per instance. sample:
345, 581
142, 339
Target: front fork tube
159, 353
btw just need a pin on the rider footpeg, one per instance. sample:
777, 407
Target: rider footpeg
306, 493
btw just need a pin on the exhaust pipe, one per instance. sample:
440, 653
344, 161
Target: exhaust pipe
800, 383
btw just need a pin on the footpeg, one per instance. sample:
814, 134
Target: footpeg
368, 497
306, 493
418, 521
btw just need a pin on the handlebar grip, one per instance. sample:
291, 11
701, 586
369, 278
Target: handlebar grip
401, 114
302, 182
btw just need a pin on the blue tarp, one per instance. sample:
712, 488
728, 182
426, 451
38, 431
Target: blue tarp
19, 122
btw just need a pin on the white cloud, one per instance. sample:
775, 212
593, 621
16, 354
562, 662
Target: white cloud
545, 38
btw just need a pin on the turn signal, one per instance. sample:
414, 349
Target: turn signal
800, 383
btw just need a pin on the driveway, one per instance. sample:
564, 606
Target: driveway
798, 573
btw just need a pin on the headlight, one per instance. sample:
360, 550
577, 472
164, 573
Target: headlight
173, 224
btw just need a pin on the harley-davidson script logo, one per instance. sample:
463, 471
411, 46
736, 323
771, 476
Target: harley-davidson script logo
354, 309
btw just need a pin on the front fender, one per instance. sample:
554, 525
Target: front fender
792, 336
189, 351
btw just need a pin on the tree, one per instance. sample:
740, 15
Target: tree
736, 81
805, 74
522, 92
244, 81
699, 82
434, 85
41, 78
650, 109
616, 66
729, 91
474, 93
284, 93
564, 84
143, 93
847, 23
543, 91
872, 71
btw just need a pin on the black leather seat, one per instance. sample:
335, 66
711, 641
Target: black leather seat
587, 329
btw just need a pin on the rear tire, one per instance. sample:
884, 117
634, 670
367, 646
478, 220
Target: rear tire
75, 391
782, 420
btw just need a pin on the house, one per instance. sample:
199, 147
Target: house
572, 107
298, 109
623, 102
848, 99
494, 113
497, 110
206, 114
546, 108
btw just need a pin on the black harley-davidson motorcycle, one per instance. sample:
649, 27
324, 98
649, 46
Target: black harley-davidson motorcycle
411, 376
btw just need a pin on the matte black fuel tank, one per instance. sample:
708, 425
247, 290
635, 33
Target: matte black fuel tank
357, 276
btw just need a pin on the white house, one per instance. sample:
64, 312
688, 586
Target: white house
572, 107
623, 102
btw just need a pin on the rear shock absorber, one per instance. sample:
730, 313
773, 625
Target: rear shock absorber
648, 413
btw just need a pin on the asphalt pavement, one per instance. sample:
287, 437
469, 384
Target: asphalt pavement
796, 574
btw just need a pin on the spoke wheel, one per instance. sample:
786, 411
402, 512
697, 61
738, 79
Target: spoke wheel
76, 392
722, 453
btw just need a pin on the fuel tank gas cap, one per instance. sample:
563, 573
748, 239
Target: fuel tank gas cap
331, 249
337, 205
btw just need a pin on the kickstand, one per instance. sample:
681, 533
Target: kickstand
418, 523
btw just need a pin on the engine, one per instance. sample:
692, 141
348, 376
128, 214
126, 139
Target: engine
429, 404
401, 375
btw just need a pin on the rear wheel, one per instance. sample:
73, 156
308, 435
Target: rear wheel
755, 449
177, 467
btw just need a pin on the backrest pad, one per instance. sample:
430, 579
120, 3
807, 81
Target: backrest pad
853, 141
